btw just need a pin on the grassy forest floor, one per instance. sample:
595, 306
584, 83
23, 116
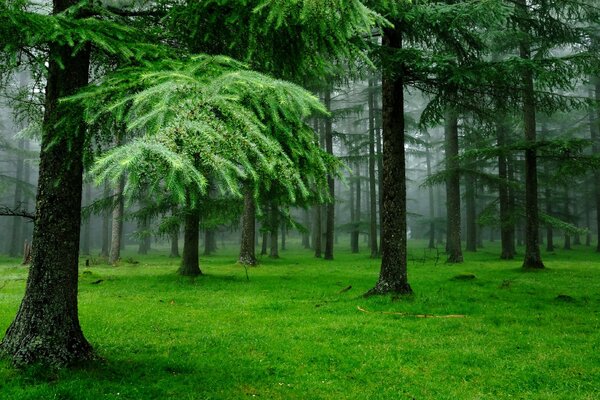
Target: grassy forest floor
292, 331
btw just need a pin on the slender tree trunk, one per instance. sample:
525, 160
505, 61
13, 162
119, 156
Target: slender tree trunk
247, 248
265, 243
471, 209
104, 252
378, 147
330, 221
306, 235
567, 214
549, 211
575, 219
507, 225
117, 223
190, 262
357, 212
453, 244
594, 116
393, 276
16, 239
85, 235
210, 242
274, 229
174, 236
46, 328
431, 196
317, 231
372, 182
533, 257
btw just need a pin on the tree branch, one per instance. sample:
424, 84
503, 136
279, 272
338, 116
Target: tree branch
16, 212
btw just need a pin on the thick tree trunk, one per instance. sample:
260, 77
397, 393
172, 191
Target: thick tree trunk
190, 262
330, 221
471, 210
117, 223
46, 328
247, 248
533, 257
393, 277
453, 245
16, 238
372, 182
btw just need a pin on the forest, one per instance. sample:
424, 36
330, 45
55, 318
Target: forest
299, 199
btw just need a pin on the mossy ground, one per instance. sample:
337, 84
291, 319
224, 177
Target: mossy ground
292, 332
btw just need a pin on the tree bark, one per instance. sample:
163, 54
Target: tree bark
379, 150
431, 244
330, 221
274, 229
595, 137
317, 231
247, 248
46, 328
306, 235
190, 262
357, 210
533, 257
393, 277
372, 182
210, 242
453, 244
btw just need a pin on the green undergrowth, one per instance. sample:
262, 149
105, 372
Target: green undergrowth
299, 328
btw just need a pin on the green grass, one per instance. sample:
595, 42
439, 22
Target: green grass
290, 332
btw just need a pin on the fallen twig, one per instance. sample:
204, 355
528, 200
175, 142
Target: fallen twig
403, 314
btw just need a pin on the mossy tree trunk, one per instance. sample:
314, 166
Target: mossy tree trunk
46, 328
330, 214
393, 277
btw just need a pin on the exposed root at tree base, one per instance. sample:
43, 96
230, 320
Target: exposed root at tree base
403, 314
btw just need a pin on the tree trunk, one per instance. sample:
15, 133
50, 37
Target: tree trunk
247, 248
85, 235
453, 244
594, 117
393, 276
265, 243
174, 236
471, 209
190, 262
46, 328
104, 252
283, 235
567, 216
210, 242
274, 229
372, 182
117, 223
357, 212
306, 235
317, 231
533, 257
378, 147
431, 196
330, 221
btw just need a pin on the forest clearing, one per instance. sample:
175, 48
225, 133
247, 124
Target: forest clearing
293, 331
